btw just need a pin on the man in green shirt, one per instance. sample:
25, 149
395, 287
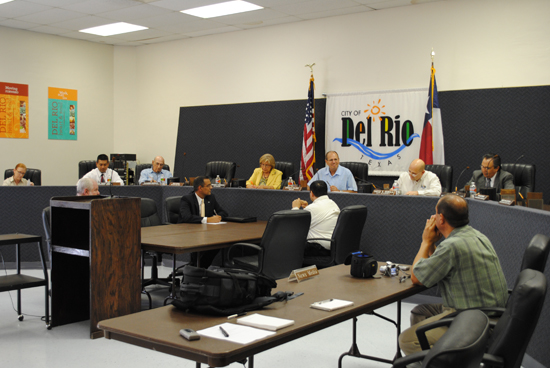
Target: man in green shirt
465, 267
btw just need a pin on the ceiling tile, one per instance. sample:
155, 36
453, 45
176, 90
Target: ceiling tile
50, 16
249, 17
179, 5
213, 31
50, 30
135, 12
56, 3
142, 35
336, 12
314, 6
168, 19
13, 23
270, 22
165, 39
87, 21
101, 6
20, 8
389, 4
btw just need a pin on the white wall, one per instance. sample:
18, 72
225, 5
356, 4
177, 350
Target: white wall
478, 44
43, 61
129, 97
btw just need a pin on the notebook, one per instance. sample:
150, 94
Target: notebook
240, 219
331, 304
265, 322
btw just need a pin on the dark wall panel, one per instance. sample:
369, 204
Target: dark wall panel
242, 133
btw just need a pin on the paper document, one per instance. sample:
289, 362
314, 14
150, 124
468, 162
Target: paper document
331, 304
237, 333
265, 322
216, 223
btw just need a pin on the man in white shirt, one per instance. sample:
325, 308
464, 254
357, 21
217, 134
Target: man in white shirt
324, 215
418, 181
102, 174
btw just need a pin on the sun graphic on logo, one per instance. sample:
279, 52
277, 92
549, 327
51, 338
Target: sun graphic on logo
375, 109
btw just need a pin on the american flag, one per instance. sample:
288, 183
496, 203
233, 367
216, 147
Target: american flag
308, 143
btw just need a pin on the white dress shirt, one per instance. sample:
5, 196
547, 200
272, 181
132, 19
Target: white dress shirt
428, 185
324, 215
95, 174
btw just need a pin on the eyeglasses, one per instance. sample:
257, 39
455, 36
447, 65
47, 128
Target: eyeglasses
19, 172
487, 167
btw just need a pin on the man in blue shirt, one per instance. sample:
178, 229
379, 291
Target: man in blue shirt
155, 173
338, 178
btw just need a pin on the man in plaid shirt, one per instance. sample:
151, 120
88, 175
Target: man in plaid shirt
465, 267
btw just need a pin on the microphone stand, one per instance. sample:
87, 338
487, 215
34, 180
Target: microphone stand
456, 187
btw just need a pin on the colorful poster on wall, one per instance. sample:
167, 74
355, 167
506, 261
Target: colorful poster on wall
62, 113
14, 110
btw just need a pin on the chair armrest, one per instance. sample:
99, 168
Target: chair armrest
421, 331
229, 257
327, 239
489, 311
406, 360
492, 360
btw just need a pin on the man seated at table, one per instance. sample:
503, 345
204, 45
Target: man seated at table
465, 267
418, 181
491, 175
17, 179
155, 173
201, 207
324, 215
102, 174
87, 187
338, 178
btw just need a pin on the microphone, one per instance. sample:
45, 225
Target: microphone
519, 158
467, 168
182, 164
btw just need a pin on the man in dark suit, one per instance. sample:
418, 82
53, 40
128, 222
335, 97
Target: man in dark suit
201, 207
491, 175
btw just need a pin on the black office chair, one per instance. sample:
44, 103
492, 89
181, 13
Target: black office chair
287, 168
445, 175
172, 209
524, 178
462, 346
360, 170
346, 237
47, 232
141, 167
513, 330
85, 166
281, 249
150, 217
34, 175
536, 253
225, 169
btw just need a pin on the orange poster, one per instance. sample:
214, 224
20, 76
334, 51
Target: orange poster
14, 110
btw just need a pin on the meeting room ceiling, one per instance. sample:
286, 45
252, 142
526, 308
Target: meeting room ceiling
163, 18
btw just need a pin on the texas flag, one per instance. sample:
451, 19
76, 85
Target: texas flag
431, 145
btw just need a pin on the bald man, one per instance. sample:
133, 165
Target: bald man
87, 187
418, 181
155, 173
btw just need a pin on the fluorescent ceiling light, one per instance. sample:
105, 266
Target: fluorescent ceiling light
218, 10
113, 29
5, 1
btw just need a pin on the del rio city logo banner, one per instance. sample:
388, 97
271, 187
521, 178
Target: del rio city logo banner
382, 129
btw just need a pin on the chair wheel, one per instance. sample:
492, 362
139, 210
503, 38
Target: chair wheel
49, 327
20, 317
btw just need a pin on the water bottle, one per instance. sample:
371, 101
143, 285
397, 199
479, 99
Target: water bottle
162, 180
218, 180
472, 189
290, 182
396, 188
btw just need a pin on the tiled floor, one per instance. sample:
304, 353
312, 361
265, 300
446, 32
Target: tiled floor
29, 344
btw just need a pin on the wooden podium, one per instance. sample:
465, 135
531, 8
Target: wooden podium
96, 244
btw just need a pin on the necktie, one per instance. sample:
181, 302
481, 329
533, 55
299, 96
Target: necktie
202, 209
102, 178
488, 184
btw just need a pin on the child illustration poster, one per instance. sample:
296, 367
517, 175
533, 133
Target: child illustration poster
14, 110
62, 113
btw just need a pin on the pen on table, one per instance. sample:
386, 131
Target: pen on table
224, 332
237, 315
325, 301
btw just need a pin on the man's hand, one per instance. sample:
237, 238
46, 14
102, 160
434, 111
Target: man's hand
431, 234
412, 192
333, 188
297, 203
213, 219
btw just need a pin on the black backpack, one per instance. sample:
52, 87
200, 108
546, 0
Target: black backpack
224, 291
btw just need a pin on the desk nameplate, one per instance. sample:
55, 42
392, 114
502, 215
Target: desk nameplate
303, 273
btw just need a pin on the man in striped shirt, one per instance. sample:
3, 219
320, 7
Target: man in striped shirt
465, 267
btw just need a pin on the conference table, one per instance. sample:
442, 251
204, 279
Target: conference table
184, 238
158, 329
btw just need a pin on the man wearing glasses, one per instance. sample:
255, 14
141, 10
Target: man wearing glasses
491, 176
418, 181
201, 207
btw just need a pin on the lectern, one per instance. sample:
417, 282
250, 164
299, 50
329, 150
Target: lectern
95, 272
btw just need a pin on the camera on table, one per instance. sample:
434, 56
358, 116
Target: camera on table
390, 269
